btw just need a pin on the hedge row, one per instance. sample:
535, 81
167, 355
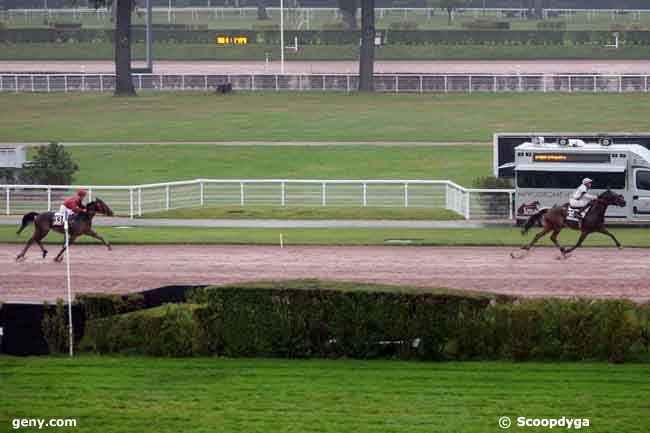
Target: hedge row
294, 323
337, 37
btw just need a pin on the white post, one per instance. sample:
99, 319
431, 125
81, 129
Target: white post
101, 83
421, 85
49, 86
7, 202
470, 84
241, 194
139, 202
131, 213
32, 77
201, 192
467, 205
406, 195
445, 78
16, 83
323, 192
282, 193
67, 265
90, 194
396, 83
511, 205
365, 194
167, 197
282, 36
65, 83
49, 199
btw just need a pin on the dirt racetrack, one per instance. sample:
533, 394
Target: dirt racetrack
595, 272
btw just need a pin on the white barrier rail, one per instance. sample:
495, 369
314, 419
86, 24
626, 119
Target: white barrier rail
395, 83
138, 200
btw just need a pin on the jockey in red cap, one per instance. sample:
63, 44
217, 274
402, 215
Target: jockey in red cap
73, 205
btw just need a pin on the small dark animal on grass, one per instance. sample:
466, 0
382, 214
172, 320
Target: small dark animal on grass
224, 88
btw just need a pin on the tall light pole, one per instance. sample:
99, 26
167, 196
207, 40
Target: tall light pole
282, 36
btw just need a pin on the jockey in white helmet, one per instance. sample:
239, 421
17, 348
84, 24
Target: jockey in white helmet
581, 198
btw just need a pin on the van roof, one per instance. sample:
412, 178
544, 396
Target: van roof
588, 147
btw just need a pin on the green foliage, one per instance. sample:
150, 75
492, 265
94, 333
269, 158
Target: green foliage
52, 165
403, 25
492, 182
55, 328
170, 330
483, 24
546, 25
98, 305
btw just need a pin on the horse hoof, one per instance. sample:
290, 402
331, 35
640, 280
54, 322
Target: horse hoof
20, 258
44, 253
620, 248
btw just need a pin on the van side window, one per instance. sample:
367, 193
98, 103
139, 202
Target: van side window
568, 180
643, 180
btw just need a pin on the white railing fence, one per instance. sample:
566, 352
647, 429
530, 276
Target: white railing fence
138, 200
395, 83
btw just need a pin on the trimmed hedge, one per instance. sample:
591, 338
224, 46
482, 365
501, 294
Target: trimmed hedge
296, 323
98, 305
338, 37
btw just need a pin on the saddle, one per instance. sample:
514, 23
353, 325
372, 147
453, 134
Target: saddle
576, 214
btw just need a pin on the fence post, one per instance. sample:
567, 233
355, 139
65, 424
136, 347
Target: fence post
365, 194
282, 193
49, 199
323, 192
470, 84
511, 205
65, 83
421, 84
16, 83
139, 201
167, 194
32, 76
446, 87
7, 202
646, 84
494, 83
396, 83
467, 213
131, 214
241, 193
277, 87
90, 194
406, 195
205, 85
620, 84
101, 83
83, 82
201, 192
347, 79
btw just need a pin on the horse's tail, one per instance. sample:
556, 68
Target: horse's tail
27, 219
533, 219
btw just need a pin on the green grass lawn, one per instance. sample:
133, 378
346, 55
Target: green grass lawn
138, 164
499, 236
311, 116
134, 394
207, 51
308, 213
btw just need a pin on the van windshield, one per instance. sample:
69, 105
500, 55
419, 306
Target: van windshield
569, 180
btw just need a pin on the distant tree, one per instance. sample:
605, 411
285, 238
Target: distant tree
367, 54
348, 10
262, 14
123, 8
450, 6
51, 166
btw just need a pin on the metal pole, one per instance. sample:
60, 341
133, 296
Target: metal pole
7, 202
282, 36
324, 194
283, 200
149, 37
67, 265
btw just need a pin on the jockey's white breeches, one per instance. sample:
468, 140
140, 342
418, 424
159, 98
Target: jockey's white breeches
578, 203
65, 211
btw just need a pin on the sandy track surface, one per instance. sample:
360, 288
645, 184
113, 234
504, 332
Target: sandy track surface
319, 67
596, 272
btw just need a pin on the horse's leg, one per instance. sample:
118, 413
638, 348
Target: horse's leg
537, 237
554, 239
59, 256
43, 250
608, 233
583, 236
94, 234
22, 253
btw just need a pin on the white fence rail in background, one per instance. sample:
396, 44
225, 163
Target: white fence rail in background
395, 83
138, 200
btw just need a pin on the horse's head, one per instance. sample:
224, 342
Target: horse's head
98, 206
609, 197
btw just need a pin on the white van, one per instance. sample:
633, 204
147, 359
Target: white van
547, 173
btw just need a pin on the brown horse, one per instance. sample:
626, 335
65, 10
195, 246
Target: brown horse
80, 224
555, 219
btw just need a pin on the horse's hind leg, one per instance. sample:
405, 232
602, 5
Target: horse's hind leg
528, 246
43, 250
608, 233
22, 253
554, 239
